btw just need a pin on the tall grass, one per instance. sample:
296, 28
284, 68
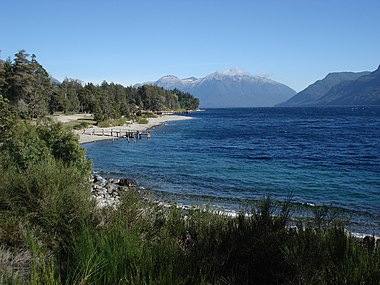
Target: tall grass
143, 243
41, 210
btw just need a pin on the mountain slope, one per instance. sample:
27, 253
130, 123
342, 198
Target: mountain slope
363, 91
230, 88
310, 95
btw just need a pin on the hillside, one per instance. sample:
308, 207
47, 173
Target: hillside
310, 95
363, 91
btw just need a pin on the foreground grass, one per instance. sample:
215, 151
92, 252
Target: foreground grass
143, 243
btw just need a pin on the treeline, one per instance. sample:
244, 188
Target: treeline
28, 86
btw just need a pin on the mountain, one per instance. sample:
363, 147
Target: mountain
230, 88
363, 91
310, 95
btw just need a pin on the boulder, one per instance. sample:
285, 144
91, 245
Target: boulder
99, 180
127, 182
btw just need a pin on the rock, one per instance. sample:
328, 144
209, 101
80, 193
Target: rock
107, 191
114, 180
128, 182
122, 188
99, 180
111, 187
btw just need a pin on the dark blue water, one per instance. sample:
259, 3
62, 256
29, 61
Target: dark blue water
232, 157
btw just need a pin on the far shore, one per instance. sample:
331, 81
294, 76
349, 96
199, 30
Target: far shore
86, 135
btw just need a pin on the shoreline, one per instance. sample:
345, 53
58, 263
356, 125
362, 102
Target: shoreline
86, 136
107, 191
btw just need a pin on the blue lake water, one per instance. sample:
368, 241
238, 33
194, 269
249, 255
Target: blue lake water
233, 157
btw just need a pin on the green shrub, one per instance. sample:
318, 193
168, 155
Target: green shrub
64, 146
112, 122
29, 144
81, 125
50, 196
142, 120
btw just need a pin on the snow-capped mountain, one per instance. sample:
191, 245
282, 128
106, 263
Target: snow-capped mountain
230, 88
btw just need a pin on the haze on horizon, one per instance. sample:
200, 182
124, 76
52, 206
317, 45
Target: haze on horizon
294, 42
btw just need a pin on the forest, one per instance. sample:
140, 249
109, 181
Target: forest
34, 93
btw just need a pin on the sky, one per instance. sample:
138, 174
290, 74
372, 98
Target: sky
295, 42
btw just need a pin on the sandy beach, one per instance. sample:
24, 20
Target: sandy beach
87, 135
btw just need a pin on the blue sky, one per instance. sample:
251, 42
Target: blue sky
295, 42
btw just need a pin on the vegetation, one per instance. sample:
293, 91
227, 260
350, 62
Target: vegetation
28, 86
51, 232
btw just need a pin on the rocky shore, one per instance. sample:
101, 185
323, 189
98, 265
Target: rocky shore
107, 191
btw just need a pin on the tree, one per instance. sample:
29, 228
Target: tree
20, 82
186, 100
104, 108
28, 86
70, 89
38, 99
57, 99
7, 119
2, 76
87, 98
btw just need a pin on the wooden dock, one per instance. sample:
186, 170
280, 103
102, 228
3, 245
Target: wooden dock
117, 133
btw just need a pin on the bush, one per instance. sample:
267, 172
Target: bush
49, 196
142, 120
64, 145
44, 194
112, 122
28, 145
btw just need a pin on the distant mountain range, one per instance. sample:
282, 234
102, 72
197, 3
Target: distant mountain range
230, 88
338, 89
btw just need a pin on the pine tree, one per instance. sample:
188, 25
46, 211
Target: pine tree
38, 99
28, 86
20, 81
70, 89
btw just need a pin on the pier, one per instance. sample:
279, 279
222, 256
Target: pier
117, 133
